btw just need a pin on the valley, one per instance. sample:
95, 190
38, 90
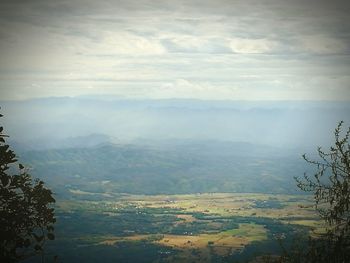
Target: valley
207, 227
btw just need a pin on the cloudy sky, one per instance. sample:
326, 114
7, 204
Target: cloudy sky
205, 49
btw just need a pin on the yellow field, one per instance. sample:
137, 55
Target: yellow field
226, 204
222, 243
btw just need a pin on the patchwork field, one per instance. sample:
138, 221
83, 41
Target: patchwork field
209, 227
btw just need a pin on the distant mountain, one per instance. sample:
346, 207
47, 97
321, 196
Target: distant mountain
87, 146
292, 124
169, 168
87, 141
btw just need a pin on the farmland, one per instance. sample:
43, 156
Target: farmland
207, 227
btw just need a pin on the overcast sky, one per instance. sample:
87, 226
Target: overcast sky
239, 50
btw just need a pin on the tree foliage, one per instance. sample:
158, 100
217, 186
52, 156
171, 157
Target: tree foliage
26, 215
330, 187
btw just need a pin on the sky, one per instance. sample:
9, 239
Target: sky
205, 49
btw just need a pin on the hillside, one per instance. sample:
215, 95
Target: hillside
172, 167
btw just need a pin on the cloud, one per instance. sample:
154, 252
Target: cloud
182, 88
320, 44
252, 46
195, 44
267, 49
124, 43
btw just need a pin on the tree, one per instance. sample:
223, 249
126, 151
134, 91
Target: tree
26, 215
330, 186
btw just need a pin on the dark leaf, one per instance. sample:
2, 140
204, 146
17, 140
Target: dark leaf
27, 243
37, 247
38, 238
50, 236
4, 180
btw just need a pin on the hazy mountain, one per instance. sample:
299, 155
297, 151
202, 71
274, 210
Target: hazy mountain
108, 145
85, 141
168, 168
44, 123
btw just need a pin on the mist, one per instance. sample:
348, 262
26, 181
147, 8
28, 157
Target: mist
288, 124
